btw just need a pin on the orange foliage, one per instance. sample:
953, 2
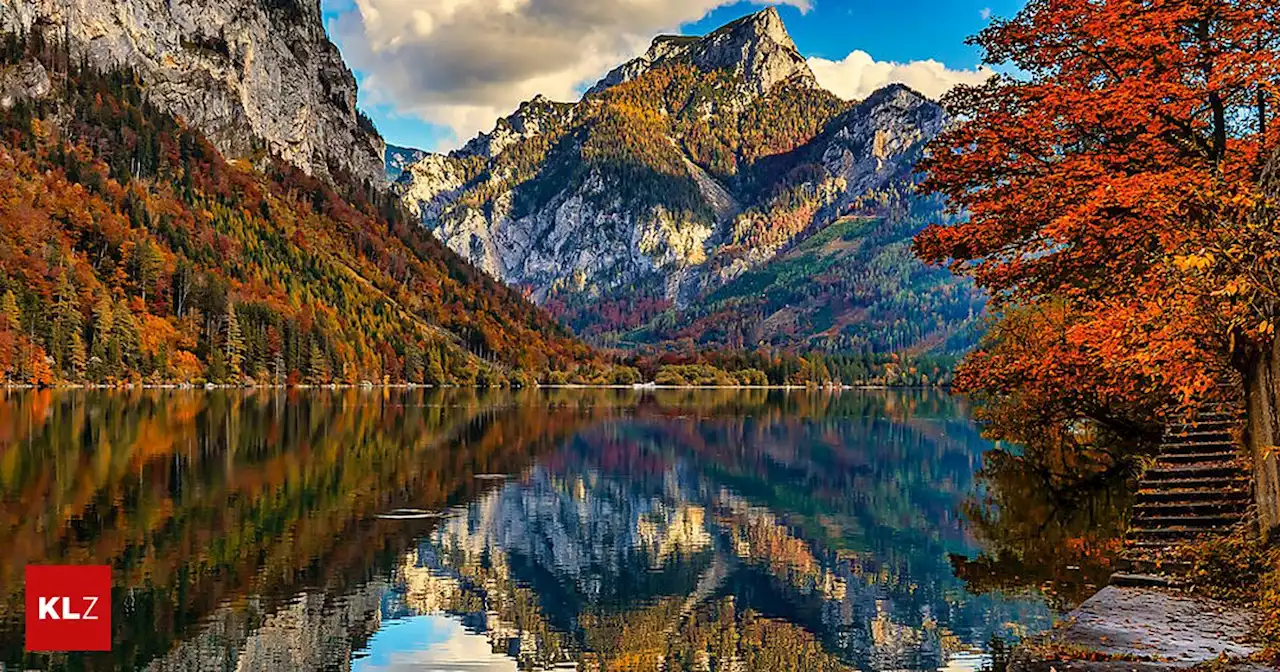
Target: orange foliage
1120, 176
166, 247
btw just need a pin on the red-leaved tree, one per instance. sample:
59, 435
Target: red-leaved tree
1115, 202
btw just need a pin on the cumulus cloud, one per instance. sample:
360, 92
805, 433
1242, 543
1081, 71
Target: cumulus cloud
463, 63
985, 13
858, 75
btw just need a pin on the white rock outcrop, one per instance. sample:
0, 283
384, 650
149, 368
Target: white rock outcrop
243, 72
27, 80
570, 223
756, 48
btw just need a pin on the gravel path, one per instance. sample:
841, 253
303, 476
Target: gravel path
1170, 629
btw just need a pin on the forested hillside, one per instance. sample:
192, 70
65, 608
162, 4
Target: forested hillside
131, 251
711, 195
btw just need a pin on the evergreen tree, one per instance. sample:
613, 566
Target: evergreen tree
433, 374
76, 356
145, 266
125, 332
10, 312
66, 320
318, 365
234, 341
413, 364
100, 365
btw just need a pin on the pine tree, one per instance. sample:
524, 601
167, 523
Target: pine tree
234, 341
66, 319
76, 356
318, 366
100, 366
10, 312
125, 332
413, 364
145, 266
434, 372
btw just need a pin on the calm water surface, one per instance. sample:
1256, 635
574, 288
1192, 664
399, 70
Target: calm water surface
462, 530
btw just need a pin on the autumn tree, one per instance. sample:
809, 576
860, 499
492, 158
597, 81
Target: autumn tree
233, 342
318, 365
144, 264
312, 264
77, 357
10, 312
67, 320
125, 335
100, 359
1116, 180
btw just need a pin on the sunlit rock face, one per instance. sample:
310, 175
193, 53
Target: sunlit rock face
756, 48
615, 193
23, 81
249, 74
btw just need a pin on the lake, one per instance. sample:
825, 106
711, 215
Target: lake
537, 529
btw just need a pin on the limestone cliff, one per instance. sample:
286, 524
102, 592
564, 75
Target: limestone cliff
756, 48
687, 168
246, 73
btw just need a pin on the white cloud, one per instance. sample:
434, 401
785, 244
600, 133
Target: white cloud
858, 75
464, 63
985, 13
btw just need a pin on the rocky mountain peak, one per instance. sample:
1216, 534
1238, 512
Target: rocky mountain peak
234, 69
533, 117
756, 47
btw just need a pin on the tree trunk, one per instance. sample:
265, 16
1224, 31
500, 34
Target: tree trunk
1262, 395
1262, 399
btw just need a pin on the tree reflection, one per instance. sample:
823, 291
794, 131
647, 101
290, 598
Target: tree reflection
1049, 518
194, 498
689, 530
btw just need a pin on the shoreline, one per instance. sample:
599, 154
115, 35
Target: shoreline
416, 386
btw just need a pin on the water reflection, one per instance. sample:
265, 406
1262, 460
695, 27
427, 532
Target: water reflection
637, 530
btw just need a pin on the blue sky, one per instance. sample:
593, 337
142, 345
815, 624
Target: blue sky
411, 110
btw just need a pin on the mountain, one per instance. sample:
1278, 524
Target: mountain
132, 250
708, 194
755, 48
399, 158
253, 76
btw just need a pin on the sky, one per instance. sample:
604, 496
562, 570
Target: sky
433, 73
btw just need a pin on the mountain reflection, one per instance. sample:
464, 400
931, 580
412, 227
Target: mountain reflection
690, 530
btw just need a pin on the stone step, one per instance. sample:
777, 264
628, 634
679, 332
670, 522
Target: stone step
1176, 448
1150, 520
1217, 457
1218, 415
1145, 580
1206, 522
1157, 549
1222, 424
1223, 496
1145, 509
1204, 447
1197, 437
1191, 472
1182, 533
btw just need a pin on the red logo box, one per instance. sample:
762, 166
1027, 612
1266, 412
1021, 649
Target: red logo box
68, 608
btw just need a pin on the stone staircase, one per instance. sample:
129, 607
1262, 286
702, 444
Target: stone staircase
1199, 487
